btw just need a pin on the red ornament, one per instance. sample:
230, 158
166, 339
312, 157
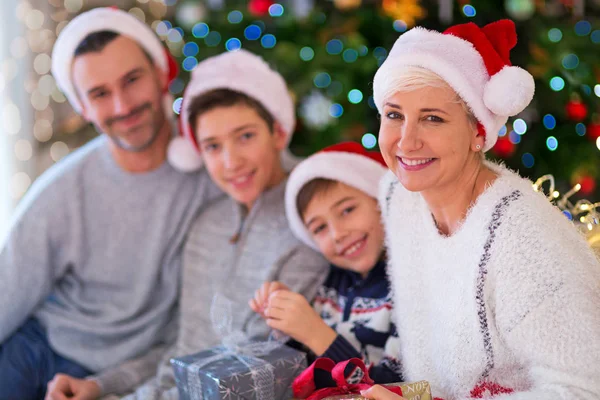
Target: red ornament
258, 8
504, 148
588, 184
576, 110
593, 131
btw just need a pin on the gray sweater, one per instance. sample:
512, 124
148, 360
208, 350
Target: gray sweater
94, 253
265, 250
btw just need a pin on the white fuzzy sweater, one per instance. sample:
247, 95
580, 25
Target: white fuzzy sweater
507, 307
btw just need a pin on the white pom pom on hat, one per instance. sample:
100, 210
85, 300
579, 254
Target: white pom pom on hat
183, 156
509, 91
104, 19
474, 61
348, 163
240, 71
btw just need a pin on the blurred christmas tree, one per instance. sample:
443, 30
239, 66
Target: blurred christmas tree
328, 51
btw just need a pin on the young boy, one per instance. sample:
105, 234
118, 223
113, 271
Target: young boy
331, 206
237, 116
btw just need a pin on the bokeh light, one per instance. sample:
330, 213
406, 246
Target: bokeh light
200, 30
268, 41
213, 39
350, 55
322, 80
235, 17
400, 26
189, 63
552, 143
557, 83
336, 110
233, 44
514, 137
555, 35
177, 105
252, 32
583, 28
307, 53
276, 10
369, 140
334, 46
520, 126
549, 121
469, 11
570, 61
528, 160
190, 49
355, 96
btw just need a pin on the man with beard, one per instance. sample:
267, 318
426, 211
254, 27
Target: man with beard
89, 271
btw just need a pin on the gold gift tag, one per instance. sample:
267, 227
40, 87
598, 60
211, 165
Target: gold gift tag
410, 391
415, 390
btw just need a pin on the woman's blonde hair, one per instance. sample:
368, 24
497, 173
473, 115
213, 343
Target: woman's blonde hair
413, 78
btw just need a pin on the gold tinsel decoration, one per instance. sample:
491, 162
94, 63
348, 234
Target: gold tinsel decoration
584, 213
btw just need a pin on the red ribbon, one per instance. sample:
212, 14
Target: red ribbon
304, 385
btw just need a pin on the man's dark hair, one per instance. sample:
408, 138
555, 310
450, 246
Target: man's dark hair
95, 42
226, 98
310, 190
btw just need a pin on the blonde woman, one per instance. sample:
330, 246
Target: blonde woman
500, 294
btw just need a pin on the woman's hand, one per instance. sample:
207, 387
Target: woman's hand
291, 314
378, 392
261, 298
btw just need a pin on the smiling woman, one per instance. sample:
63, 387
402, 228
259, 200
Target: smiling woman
484, 282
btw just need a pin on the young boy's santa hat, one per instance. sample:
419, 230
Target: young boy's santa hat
239, 71
474, 61
348, 163
106, 19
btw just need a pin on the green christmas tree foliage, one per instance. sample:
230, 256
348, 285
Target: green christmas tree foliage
329, 55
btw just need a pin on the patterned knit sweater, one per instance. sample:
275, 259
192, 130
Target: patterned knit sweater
360, 311
507, 307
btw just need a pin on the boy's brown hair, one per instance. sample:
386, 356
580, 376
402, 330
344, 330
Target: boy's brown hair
310, 190
226, 98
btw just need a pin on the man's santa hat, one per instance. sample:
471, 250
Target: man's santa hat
474, 61
106, 19
348, 163
239, 71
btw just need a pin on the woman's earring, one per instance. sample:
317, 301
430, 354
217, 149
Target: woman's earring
478, 147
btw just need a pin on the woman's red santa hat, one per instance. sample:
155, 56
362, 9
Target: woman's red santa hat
348, 163
106, 19
240, 71
474, 61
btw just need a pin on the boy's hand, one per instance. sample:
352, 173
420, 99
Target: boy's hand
291, 314
261, 298
64, 387
380, 393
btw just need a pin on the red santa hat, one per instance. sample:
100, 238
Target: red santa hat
474, 61
240, 71
106, 19
348, 163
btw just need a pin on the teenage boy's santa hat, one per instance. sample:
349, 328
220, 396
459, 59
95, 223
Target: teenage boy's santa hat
348, 163
239, 71
106, 19
474, 61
